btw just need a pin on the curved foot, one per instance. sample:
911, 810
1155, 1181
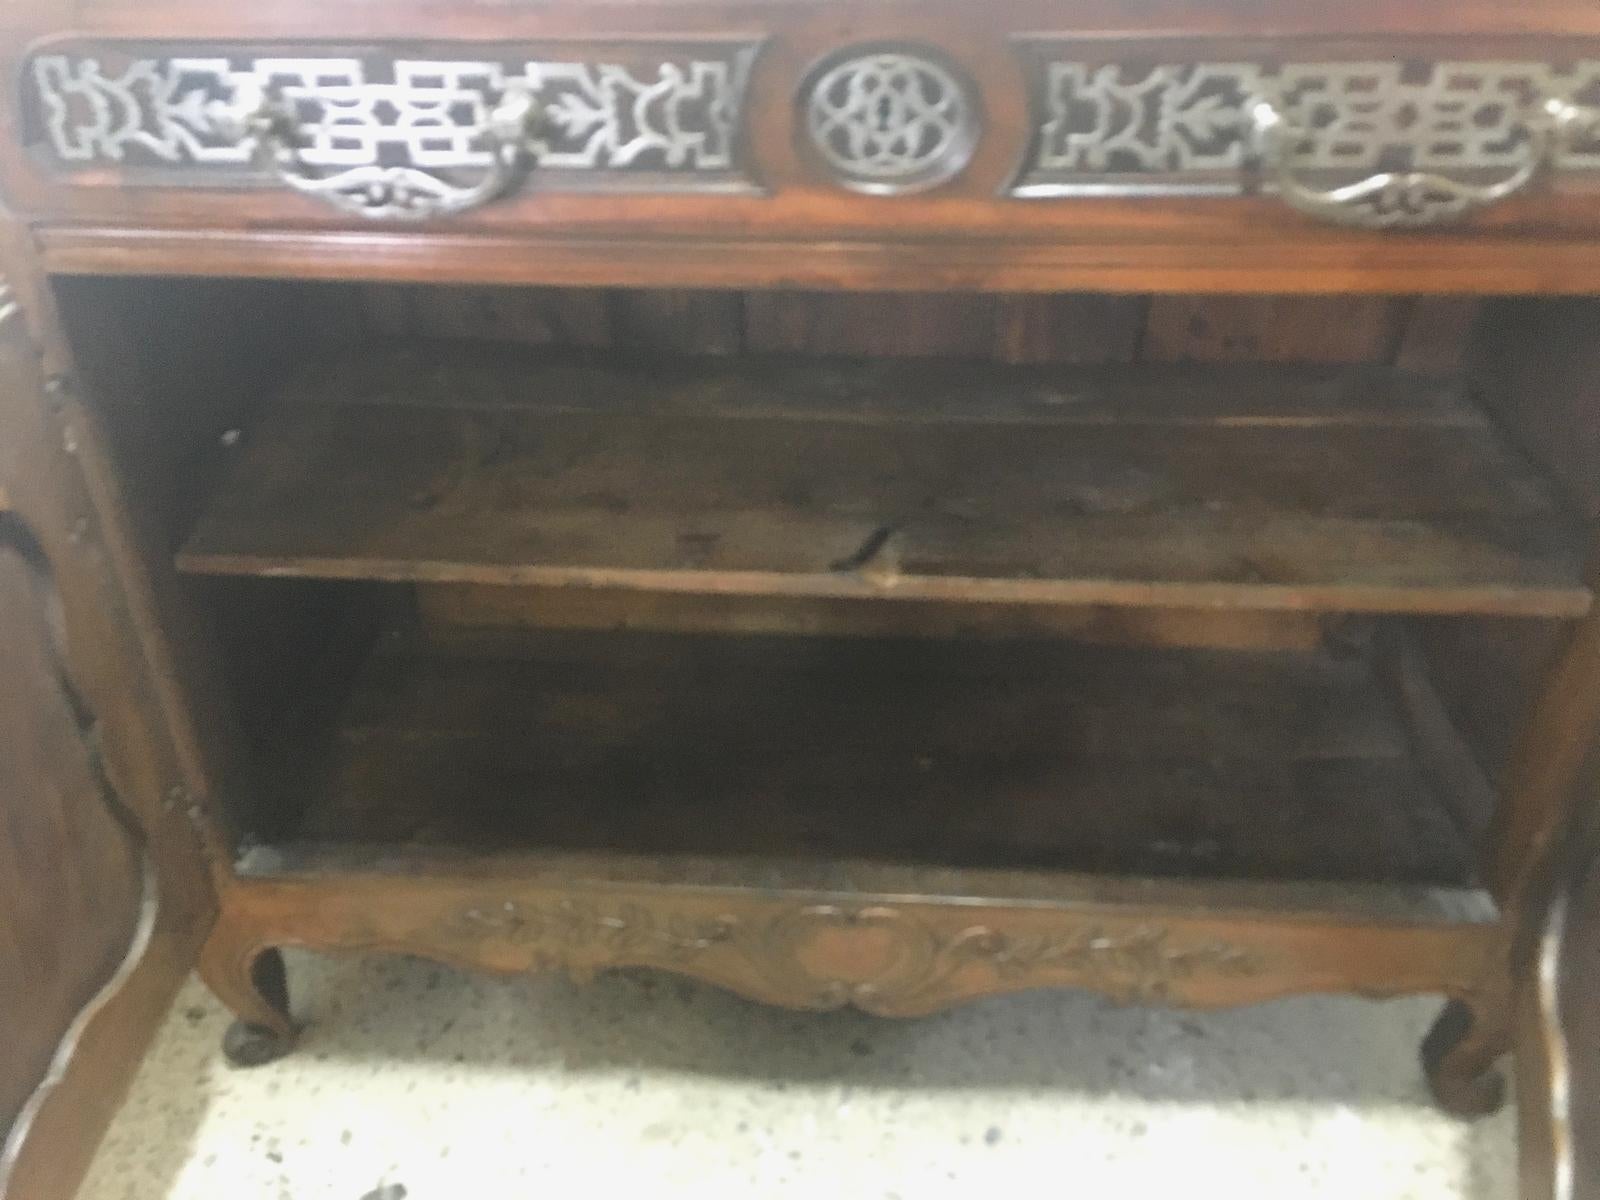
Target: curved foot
1460, 1053
247, 1045
250, 979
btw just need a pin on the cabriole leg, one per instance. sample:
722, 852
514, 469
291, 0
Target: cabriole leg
1461, 1055
250, 979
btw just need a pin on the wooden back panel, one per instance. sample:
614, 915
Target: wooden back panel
1426, 334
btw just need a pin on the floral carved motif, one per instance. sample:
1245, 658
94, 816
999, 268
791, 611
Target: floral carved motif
1142, 963
585, 925
880, 958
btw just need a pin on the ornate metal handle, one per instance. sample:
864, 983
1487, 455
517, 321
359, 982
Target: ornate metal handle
388, 192
1407, 199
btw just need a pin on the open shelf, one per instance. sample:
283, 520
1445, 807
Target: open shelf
1287, 488
1018, 756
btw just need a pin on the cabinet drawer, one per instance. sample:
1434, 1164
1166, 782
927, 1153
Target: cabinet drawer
387, 134
1374, 137
812, 122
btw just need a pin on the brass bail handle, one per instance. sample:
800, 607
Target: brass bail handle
387, 193
1408, 199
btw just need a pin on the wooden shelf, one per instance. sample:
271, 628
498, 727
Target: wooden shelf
1281, 488
1033, 756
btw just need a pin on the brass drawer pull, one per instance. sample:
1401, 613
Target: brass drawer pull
382, 192
1407, 199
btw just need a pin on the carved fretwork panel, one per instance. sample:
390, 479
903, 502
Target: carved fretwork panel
889, 119
1123, 120
662, 114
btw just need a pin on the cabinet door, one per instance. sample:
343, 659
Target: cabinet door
1558, 1045
76, 887
104, 893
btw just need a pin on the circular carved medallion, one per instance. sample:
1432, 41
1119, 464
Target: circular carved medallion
889, 121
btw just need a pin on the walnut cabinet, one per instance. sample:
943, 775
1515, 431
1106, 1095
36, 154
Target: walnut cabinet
862, 504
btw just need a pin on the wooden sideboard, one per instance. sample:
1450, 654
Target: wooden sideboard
864, 504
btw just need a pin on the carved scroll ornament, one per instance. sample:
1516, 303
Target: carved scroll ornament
879, 958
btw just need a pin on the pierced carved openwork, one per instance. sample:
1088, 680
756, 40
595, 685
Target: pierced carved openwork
889, 120
651, 115
1427, 141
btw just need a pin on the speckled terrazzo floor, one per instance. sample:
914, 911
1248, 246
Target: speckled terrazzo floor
456, 1086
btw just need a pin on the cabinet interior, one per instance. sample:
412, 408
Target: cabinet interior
1193, 587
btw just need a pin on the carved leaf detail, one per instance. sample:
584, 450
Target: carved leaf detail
1142, 962
631, 930
878, 958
